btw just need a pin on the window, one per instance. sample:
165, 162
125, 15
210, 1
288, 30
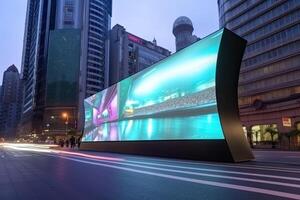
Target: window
68, 13
297, 125
264, 133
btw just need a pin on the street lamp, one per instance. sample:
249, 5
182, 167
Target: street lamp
66, 116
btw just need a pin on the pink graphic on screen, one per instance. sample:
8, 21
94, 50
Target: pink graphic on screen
106, 111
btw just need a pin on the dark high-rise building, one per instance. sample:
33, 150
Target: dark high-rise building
130, 54
183, 32
269, 84
10, 102
64, 61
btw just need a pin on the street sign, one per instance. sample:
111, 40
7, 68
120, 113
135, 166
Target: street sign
287, 121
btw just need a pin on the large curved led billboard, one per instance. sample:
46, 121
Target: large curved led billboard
175, 99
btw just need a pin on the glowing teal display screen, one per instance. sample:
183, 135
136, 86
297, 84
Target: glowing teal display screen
174, 99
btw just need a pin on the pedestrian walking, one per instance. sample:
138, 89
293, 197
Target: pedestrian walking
61, 143
78, 142
72, 142
67, 143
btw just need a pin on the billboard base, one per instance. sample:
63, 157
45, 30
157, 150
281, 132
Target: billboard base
204, 150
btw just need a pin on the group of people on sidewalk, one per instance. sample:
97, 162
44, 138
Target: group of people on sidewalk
72, 142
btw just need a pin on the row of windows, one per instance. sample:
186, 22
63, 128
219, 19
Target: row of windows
96, 35
98, 4
273, 54
270, 82
275, 25
282, 9
95, 16
29, 86
93, 90
273, 68
225, 5
93, 76
97, 42
237, 10
95, 53
96, 71
276, 94
95, 83
97, 25
95, 65
98, 16
92, 58
97, 10
251, 13
96, 48
96, 19
27, 105
96, 29
278, 39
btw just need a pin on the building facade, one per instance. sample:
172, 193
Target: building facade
130, 54
94, 61
269, 84
61, 46
10, 102
183, 32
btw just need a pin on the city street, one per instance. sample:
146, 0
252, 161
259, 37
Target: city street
38, 172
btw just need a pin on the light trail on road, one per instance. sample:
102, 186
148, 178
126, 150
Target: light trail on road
279, 182
46, 148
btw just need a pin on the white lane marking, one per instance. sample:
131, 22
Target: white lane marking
217, 170
196, 173
203, 182
261, 167
24, 155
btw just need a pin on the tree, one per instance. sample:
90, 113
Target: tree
256, 136
272, 132
291, 134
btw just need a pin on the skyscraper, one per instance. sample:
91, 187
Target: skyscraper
269, 85
63, 61
130, 54
10, 102
94, 61
183, 32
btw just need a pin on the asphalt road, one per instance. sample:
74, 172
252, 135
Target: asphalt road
35, 173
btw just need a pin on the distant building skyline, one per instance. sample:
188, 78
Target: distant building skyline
204, 17
130, 54
10, 102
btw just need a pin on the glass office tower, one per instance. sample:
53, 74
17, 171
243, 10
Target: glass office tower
65, 44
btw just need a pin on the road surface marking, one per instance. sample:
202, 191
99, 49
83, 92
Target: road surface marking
264, 167
217, 170
26, 155
203, 182
202, 174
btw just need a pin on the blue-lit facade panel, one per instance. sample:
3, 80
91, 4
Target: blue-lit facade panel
175, 99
